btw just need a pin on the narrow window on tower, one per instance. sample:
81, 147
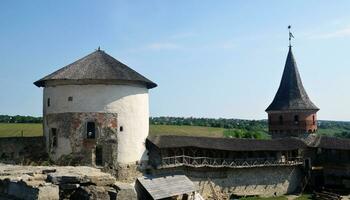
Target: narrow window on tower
296, 119
48, 102
90, 130
99, 155
281, 120
54, 137
313, 120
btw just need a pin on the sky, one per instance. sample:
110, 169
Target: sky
209, 58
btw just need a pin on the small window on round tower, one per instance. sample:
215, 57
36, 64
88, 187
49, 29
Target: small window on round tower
121, 128
48, 102
70, 98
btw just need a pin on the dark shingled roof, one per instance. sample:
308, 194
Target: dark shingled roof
291, 94
97, 66
326, 142
228, 144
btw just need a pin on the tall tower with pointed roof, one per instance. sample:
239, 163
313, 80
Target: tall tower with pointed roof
291, 113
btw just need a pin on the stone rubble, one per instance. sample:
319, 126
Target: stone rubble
60, 182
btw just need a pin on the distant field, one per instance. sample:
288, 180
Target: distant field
16, 130
186, 130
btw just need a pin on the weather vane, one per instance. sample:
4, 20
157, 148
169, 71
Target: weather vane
290, 35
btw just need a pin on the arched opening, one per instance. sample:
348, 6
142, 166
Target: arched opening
281, 120
90, 130
296, 119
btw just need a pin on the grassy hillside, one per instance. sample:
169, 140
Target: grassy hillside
35, 129
16, 129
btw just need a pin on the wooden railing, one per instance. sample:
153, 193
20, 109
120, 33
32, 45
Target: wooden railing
175, 161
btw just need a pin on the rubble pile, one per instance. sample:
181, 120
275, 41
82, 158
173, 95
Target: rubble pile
54, 183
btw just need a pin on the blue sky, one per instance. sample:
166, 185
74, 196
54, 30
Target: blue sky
209, 58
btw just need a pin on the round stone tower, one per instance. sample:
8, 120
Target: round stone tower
96, 112
291, 113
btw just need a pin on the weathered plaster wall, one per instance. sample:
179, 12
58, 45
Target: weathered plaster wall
264, 181
20, 149
72, 137
130, 103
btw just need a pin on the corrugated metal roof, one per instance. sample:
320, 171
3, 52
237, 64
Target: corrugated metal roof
167, 186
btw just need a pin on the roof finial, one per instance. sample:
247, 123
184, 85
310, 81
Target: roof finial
98, 49
290, 36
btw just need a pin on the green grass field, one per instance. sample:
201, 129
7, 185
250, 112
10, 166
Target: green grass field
186, 130
15, 130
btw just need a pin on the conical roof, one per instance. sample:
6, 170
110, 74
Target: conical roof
97, 67
291, 94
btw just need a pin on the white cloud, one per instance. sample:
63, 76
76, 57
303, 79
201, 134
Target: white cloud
341, 33
163, 46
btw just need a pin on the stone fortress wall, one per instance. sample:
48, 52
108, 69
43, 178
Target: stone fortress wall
262, 181
22, 149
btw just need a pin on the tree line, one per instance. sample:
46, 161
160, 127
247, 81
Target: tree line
211, 122
20, 119
240, 128
236, 128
